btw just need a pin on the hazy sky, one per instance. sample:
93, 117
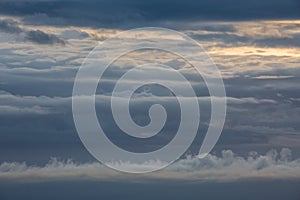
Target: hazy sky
255, 44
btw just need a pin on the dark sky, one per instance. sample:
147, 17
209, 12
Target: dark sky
126, 13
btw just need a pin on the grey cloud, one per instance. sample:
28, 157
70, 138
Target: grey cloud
233, 39
244, 109
292, 41
36, 79
130, 13
10, 26
74, 34
60, 107
266, 130
12, 104
13, 110
260, 123
36, 36
229, 35
226, 38
41, 37
279, 72
218, 28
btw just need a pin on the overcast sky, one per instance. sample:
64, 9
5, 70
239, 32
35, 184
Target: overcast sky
255, 44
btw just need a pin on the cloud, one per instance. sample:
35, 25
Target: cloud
74, 34
227, 167
13, 110
36, 36
20, 105
40, 80
236, 39
9, 26
40, 37
266, 130
218, 28
130, 13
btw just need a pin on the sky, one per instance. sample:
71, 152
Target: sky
256, 47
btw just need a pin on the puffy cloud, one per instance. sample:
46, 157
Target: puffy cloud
227, 167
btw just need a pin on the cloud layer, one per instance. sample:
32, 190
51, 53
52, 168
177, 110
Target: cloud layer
259, 61
227, 167
126, 14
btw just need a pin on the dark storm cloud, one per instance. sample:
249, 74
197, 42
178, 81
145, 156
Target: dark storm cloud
117, 12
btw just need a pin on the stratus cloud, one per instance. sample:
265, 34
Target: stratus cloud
24, 105
9, 100
12, 110
227, 167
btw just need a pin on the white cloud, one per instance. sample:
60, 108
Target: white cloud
20, 105
8, 110
227, 167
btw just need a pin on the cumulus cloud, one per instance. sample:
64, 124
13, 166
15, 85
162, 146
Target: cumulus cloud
227, 167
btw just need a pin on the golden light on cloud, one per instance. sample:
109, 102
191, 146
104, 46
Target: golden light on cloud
259, 51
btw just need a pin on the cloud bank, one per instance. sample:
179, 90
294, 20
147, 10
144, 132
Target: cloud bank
226, 167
